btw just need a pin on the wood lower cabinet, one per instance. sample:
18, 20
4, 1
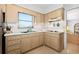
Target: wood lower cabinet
54, 40
41, 38
73, 38
34, 42
31, 41
23, 43
13, 44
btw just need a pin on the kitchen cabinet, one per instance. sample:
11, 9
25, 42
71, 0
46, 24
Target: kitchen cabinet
41, 38
31, 41
35, 42
13, 44
73, 38
54, 40
11, 14
23, 43
54, 14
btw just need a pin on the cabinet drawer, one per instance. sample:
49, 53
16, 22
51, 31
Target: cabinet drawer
13, 42
33, 34
14, 47
14, 52
11, 38
34, 39
52, 35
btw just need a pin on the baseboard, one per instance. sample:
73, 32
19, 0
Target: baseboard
52, 48
31, 49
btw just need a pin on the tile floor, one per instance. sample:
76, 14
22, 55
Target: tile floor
71, 49
42, 50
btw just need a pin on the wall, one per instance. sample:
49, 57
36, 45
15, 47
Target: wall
72, 18
12, 16
68, 7
59, 28
3, 8
53, 15
71, 24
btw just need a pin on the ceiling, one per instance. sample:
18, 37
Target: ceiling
42, 8
70, 6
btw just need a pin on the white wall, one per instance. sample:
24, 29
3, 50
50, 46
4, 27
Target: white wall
67, 7
73, 18
71, 24
70, 6
55, 28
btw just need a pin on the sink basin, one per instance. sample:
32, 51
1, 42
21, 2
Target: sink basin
27, 31
24, 32
53, 31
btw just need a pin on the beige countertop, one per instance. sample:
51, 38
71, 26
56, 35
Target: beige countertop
18, 33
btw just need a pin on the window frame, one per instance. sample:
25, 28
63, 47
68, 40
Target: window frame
33, 17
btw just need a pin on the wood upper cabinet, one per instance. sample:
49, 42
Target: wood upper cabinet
55, 40
57, 13
11, 14
54, 14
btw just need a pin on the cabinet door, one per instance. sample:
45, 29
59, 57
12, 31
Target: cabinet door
12, 13
71, 38
14, 52
41, 38
25, 44
54, 43
12, 44
47, 41
35, 41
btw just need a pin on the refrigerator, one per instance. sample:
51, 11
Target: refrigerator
1, 30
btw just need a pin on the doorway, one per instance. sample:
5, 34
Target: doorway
72, 29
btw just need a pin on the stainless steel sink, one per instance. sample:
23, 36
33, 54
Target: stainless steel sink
53, 31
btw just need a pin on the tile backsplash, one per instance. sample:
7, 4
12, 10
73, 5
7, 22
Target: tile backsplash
53, 26
14, 27
39, 27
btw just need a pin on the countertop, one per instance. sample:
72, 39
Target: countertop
18, 33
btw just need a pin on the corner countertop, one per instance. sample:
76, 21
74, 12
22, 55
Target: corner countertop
19, 33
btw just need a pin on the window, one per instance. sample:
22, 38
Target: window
25, 20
